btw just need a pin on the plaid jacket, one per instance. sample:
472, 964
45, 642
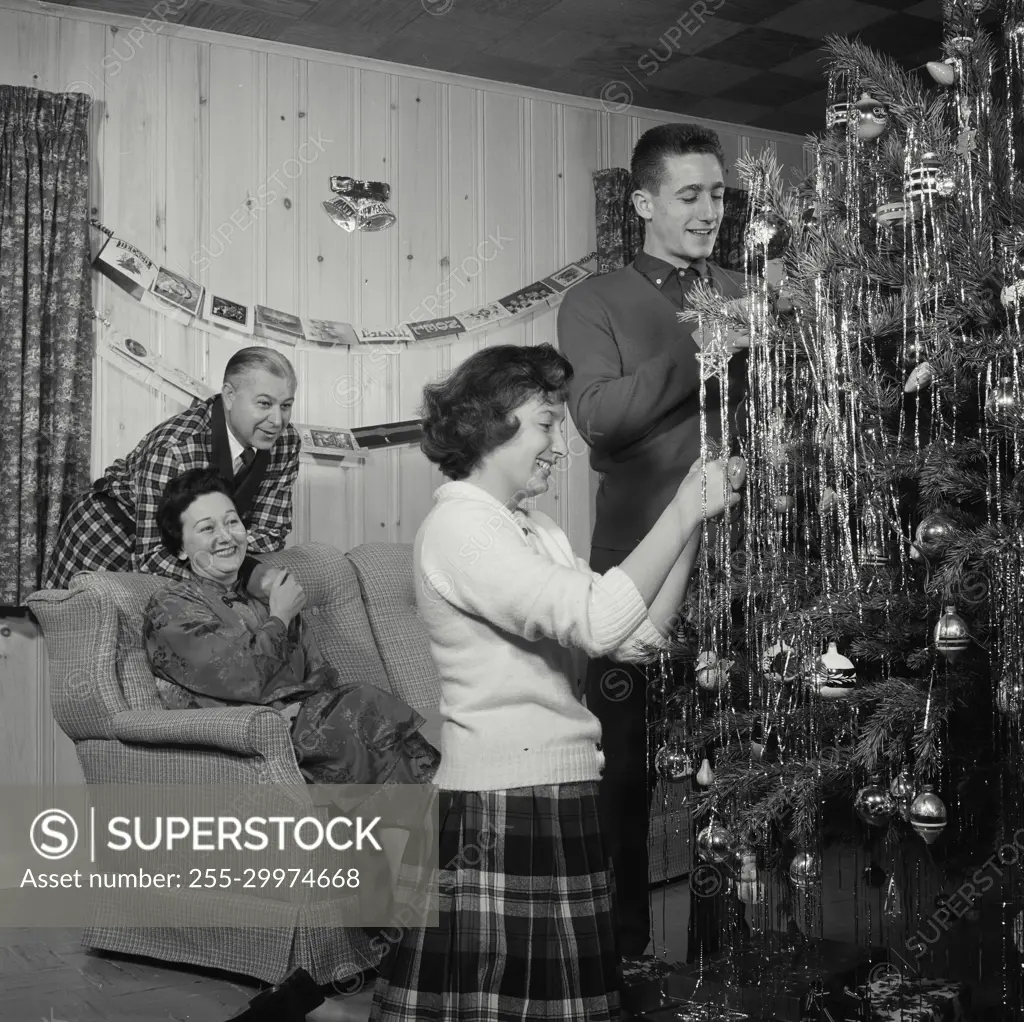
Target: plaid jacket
93, 537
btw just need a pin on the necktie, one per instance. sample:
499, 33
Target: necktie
243, 463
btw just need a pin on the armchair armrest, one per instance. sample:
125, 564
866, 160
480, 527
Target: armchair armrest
242, 730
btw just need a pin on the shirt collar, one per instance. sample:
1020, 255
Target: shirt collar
658, 272
234, 445
219, 587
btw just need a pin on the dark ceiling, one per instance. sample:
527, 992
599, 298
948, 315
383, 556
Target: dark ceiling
751, 62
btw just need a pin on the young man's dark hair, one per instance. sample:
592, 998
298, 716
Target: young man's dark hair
647, 167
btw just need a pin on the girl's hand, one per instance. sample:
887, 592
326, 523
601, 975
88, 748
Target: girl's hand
722, 481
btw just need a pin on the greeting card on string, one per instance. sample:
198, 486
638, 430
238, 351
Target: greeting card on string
234, 316
328, 333
128, 267
274, 325
429, 329
328, 441
483, 316
175, 296
384, 335
566, 277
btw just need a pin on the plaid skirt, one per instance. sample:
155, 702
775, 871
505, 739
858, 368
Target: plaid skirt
525, 913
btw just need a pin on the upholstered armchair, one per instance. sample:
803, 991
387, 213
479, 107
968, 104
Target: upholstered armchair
361, 607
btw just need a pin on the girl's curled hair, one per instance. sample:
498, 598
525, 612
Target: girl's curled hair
471, 413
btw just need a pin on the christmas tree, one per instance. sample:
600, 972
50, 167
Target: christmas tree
856, 634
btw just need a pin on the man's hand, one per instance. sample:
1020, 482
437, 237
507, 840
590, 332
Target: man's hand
731, 341
734, 339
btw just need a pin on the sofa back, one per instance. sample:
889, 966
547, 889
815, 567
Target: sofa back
387, 581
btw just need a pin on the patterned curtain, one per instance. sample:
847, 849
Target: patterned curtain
620, 232
46, 345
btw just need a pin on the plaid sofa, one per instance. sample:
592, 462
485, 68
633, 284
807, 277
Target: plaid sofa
362, 611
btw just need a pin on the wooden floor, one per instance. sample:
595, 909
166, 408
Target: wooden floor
47, 976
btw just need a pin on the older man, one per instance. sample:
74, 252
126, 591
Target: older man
244, 432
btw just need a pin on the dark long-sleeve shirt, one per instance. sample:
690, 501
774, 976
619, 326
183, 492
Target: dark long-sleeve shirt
635, 395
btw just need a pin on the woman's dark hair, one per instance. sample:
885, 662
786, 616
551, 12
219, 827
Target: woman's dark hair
469, 414
179, 494
647, 167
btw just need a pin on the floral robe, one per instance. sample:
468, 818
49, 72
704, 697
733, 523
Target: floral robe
214, 645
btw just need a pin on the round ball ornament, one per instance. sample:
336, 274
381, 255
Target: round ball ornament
834, 675
928, 179
915, 350
920, 377
933, 535
768, 233
1011, 294
928, 814
737, 471
805, 870
874, 555
673, 763
902, 789
896, 210
712, 673
944, 72
952, 636
872, 117
837, 115
784, 503
1003, 405
780, 663
716, 844
874, 805
746, 863
751, 892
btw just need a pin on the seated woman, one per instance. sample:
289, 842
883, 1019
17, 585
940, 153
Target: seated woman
213, 644
525, 910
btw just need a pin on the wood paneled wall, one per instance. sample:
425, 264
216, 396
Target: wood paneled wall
212, 154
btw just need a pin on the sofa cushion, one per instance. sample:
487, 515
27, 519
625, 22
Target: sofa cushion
386, 577
127, 594
335, 611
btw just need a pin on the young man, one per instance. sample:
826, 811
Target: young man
635, 399
244, 432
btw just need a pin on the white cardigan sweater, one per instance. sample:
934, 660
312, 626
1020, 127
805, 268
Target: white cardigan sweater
504, 601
